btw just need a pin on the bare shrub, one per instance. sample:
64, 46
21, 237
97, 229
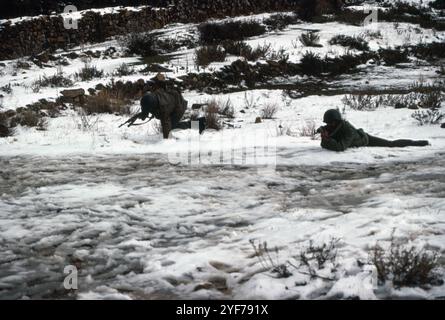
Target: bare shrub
88, 122
6, 88
428, 117
88, 72
55, 81
431, 100
208, 54
361, 102
36, 86
308, 130
279, 55
250, 101
124, 70
142, 44
212, 112
244, 50
280, 21
405, 266
314, 258
264, 255
358, 43
269, 111
226, 109
157, 127
310, 39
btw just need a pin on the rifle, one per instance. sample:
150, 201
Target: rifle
133, 119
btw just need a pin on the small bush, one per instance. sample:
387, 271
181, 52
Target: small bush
315, 257
211, 33
427, 51
308, 130
311, 64
280, 21
431, 100
361, 102
279, 55
56, 81
124, 70
428, 117
242, 49
269, 111
89, 72
208, 54
405, 266
327, 252
260, 52
226, 109
142, 44
6, 88
264, 255
310, 39
212, 112
357, 43
235, 48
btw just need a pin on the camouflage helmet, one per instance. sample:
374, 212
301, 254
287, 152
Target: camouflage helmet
332, 115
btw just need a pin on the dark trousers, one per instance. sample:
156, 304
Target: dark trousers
379, 142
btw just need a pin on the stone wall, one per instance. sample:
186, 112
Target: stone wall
30, 37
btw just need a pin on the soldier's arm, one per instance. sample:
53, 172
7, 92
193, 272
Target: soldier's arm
340, 144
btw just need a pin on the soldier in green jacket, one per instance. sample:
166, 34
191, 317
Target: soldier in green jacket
339, 134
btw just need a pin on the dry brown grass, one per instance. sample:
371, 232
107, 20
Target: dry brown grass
107, 101
212, 115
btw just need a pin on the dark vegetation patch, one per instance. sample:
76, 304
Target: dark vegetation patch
208, 54
212, 33
358, 43
310, 39
406, 266
280, 21
393, 56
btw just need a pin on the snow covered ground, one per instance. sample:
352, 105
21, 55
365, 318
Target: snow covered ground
111, 202
137, 227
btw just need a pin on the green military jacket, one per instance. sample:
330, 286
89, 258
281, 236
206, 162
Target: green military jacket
345, 136
171, 104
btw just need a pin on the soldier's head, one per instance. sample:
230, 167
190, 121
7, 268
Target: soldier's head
332, 118
149, 103
159, 81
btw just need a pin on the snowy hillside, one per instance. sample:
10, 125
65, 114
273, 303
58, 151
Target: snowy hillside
78, 190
